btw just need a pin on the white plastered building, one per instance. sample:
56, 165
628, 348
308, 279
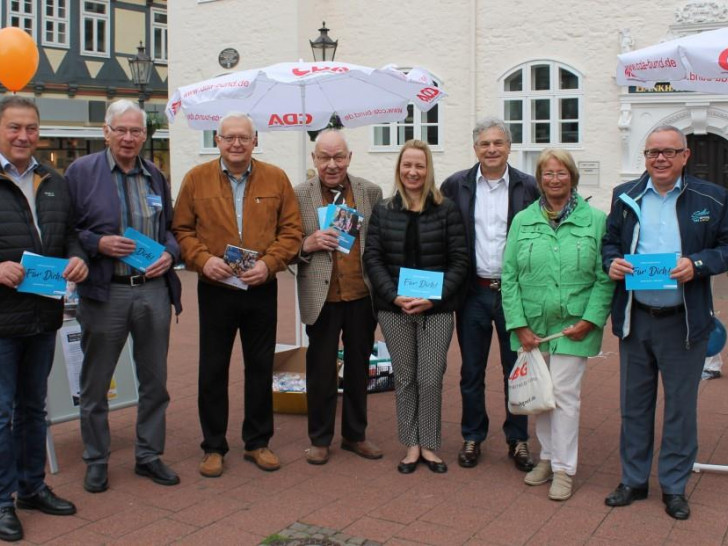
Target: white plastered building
547, 67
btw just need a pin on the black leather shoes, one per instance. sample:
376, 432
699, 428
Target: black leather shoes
625, 495
97, 478
676, 506
47, 502
158, 471
469, 454
10, 527
518, 451
438, 467
407, 468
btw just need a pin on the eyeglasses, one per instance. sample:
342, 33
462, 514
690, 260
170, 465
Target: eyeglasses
121, 132
667, 153
233, 139
561, 175
338, 159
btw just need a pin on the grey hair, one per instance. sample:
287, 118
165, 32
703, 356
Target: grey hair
121, 106
236, 115
673, 129
488, 123
329, 131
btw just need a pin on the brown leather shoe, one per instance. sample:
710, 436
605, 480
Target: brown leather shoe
263, 458
518, 451
469, 454
365, 449
211, 465
317, 455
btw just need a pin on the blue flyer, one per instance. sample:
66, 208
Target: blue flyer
416, 283
147, 250
651, 271
43, 275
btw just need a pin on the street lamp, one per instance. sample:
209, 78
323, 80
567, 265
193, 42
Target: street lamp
323, 47
141, 71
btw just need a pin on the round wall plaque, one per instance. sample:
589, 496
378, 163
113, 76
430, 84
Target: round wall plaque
228, 57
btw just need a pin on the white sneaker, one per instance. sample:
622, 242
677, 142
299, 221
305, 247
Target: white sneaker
540, 474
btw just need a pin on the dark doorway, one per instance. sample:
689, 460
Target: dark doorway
708, 158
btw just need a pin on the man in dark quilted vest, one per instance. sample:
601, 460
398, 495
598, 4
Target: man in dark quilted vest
36, 217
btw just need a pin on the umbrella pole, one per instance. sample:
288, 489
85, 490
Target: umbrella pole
301, 338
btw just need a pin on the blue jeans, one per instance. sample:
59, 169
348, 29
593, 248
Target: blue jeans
475, 319
25, 363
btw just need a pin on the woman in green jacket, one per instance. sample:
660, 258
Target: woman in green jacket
553, 282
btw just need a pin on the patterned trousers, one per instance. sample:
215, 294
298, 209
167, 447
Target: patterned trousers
418, 345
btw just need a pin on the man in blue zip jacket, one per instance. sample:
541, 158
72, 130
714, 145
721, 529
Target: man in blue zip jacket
663, 332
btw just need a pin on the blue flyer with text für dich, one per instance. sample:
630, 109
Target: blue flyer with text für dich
417, 283
43, 275
147, 250
651, 271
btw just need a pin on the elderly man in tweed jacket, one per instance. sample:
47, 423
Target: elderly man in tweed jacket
334, 301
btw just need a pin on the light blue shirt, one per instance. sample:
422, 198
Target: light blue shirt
659, 234
24, 181
238, 187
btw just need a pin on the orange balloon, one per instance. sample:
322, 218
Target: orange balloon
18, 58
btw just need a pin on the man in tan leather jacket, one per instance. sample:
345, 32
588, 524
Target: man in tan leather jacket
235, 200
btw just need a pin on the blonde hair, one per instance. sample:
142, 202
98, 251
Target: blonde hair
429, 188
562, 156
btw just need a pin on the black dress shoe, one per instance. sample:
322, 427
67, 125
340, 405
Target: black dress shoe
158, 471
10, 527
625, 495
518, 451
438, 467
47, 502
97, 478
469, 454
407, 468
676, 506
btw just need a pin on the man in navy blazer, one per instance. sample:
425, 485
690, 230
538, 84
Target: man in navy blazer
489, 195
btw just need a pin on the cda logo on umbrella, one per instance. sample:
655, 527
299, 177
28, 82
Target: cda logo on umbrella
723, 59
287, 120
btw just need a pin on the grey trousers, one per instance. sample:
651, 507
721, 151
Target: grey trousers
655, 348
418, 345
144, 312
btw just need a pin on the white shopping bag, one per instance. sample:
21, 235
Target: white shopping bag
530, 390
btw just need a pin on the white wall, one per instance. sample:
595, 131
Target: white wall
468, 44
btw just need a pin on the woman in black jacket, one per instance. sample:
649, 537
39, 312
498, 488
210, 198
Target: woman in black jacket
417, 228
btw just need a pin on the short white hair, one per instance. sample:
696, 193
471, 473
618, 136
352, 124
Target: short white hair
334, 131
236, 115
120, 107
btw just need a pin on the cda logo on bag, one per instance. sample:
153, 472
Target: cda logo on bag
519, 371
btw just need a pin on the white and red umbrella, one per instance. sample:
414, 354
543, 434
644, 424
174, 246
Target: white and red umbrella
698, 62
304, 96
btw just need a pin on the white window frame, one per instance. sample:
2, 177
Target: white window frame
27, 20
416, 124
553, 95
56, 20
162, 27
104, 19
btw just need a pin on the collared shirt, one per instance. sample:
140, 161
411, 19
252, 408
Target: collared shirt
347, 278
140, 207
24, 181
491, 224
659, 234
238, 187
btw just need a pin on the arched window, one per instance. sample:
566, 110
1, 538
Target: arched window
542, 104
